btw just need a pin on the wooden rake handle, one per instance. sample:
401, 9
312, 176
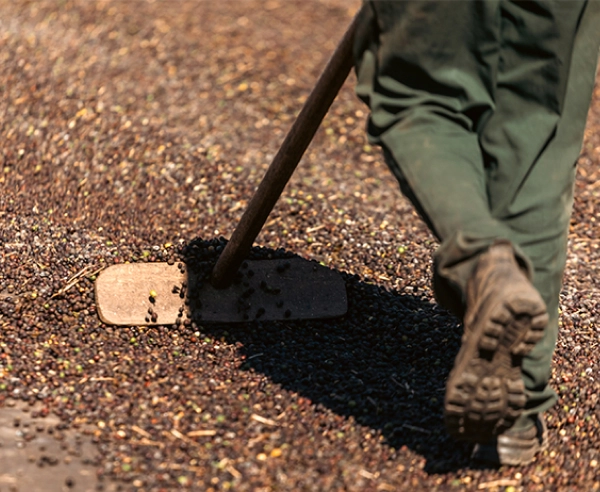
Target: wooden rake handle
286, 160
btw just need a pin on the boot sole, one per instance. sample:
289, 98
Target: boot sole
485, 392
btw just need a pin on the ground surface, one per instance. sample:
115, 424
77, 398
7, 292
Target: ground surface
129, 128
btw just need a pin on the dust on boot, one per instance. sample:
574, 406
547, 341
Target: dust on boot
505, 317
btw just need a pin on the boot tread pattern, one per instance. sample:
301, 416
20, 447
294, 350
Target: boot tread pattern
488, 394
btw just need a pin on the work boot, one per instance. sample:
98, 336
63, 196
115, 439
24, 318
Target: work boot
505, 317
516, 446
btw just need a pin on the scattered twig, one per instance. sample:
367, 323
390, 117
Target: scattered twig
74, 280
183, 437
367, 474
315, 229
416, 429
202, 433
234, 473
263, 420
255, 440
503, 482
169, 436
139, 430
404, 385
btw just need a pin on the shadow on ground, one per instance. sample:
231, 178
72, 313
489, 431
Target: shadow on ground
384, 363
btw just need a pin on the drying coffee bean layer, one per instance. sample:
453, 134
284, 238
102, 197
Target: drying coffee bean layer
132, 132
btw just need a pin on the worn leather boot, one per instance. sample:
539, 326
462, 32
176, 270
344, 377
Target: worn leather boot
505, 317
516, 446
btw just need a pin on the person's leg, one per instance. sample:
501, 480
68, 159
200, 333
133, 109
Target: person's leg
427, 71
531, 144
432, 99
538, 209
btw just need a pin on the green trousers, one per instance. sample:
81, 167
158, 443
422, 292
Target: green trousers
480, 108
